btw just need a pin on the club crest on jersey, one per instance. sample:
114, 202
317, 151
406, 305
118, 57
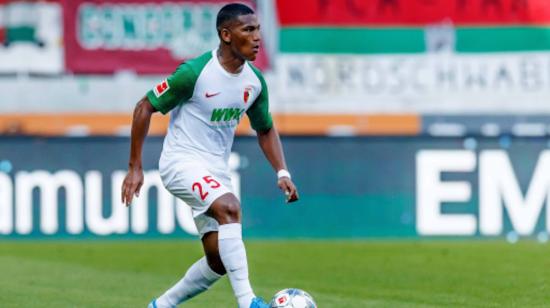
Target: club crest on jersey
247, 93
161, 88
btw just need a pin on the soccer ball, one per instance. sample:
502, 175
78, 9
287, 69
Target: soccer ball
292, 298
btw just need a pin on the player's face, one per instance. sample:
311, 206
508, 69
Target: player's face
245, 37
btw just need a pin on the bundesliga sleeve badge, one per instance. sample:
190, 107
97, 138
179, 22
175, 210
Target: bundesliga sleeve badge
161, 88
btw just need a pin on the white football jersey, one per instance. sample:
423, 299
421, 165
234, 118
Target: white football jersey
206, 103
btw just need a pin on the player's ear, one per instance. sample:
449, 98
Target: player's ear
225, 35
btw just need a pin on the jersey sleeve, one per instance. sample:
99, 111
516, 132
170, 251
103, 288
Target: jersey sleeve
175, 89
258, 113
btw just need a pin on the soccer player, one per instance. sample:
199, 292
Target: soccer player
207, 96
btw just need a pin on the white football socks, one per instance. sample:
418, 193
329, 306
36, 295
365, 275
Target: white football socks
199, 278
233, 255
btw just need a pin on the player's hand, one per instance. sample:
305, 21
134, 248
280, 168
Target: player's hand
286, 185
132, 185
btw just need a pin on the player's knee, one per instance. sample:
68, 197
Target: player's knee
232, 212
226, 210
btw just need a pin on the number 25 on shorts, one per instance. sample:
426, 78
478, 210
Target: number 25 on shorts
210, 182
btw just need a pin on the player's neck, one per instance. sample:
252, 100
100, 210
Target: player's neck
229, 61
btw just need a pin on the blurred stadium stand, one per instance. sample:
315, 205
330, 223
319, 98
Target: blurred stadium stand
335, 68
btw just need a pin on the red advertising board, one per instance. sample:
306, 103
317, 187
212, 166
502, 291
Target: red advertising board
362, 13
145, 36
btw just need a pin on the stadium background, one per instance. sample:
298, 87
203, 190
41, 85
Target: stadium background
401, 119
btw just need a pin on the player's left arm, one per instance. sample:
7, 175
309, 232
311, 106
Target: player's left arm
271, 146
268, 138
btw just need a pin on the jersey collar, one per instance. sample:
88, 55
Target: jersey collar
223, 70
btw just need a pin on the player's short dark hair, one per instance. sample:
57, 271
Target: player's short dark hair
231, 11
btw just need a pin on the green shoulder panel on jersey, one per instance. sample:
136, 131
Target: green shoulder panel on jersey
178, 87
258, 113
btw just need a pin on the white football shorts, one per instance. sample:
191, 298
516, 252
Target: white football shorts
199, 187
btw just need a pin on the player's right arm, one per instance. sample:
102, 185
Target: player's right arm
140, 126
169, 93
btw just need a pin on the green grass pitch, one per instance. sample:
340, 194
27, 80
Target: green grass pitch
337, 274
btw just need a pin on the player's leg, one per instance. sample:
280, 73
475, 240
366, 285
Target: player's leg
216, 213
198, 278
227, 211
207, 270
211, 251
